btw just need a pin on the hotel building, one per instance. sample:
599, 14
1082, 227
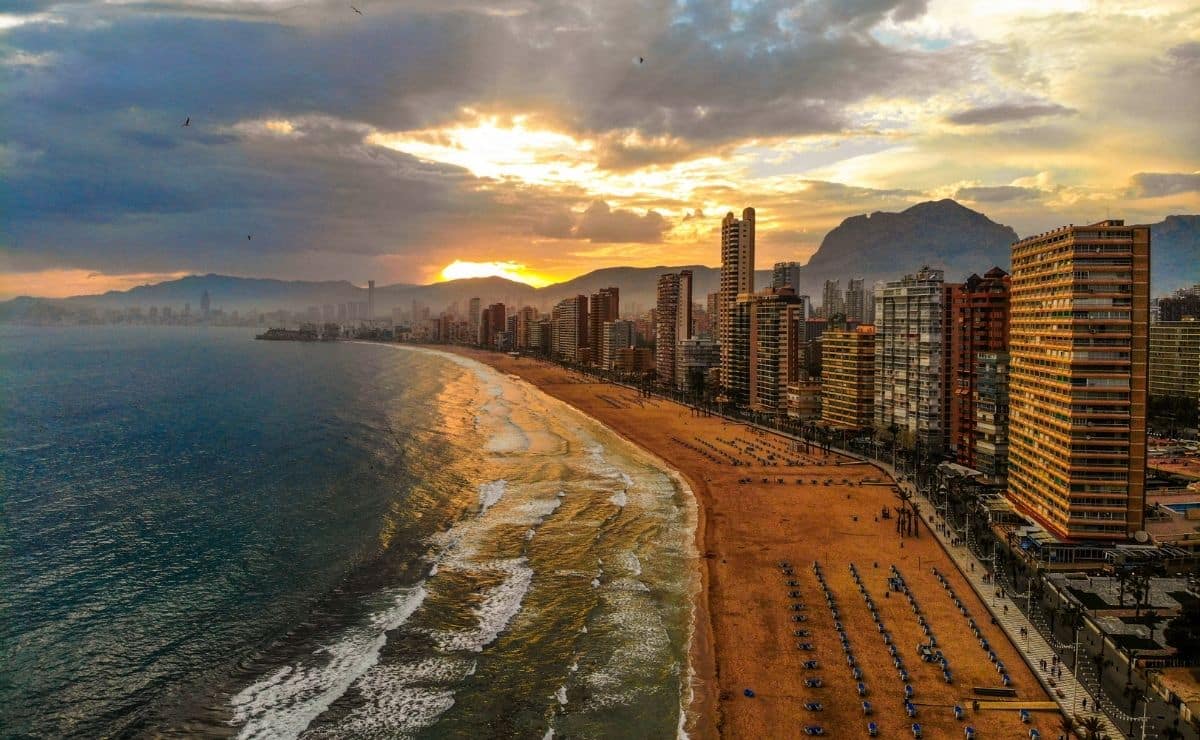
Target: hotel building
673, 316
604, 306
1077, 379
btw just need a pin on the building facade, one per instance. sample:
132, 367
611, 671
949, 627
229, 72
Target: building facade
990, 430
832, 301
856, 301
1077, 379
909, 357
768, 351
1175, 359
786, 275
976, 320
848, 377
693, 359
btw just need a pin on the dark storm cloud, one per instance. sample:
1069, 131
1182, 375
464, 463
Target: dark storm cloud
105, 177
1009, 112
996, 193
1158, 184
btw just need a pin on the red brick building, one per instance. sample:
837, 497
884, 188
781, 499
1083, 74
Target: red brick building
976, 320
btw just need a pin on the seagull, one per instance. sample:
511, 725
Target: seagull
248, 237
641, 60
187, 121
356, 10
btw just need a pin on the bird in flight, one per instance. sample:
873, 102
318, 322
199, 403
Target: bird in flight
356, 10
248, 236
187, 121
641, 60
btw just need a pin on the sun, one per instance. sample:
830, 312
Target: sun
459, 269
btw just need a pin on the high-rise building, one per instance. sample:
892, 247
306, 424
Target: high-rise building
541, 335
786, 275
570, 317
769, 344
370, 299
616, 336
525, 319
693, 359
832, 302
205, 304
1077, 379
908, 359
605, 306
673, 311
975, 320
735, 353
1175, 359
991, 417
848, 377
855, 304
737, 278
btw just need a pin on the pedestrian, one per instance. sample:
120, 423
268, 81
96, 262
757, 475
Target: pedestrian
1085, 703
1006, 608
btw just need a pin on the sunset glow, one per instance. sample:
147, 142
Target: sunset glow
458, 270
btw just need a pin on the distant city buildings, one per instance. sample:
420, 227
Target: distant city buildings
617, 335
603, 306
694, 358
786, 275
976, 320
570, 328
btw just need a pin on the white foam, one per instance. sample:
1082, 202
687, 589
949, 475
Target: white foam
490, 494
283, 705
401, 697
595, 583
619, 499
498, 607
561, 695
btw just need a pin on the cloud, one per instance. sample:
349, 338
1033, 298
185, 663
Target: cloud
1008, 112
603, 224
996, 193
1158, 184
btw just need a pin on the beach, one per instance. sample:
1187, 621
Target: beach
762, 503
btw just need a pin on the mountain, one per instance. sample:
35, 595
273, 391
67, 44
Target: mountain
1174, 254
878, 246
874, 246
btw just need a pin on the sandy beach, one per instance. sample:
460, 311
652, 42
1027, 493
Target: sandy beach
761, 503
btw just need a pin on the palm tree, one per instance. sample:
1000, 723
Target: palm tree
1067, 724
1135, 695
1092, 726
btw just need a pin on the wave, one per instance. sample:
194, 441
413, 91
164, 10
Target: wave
498, 607
490, 494
283, 704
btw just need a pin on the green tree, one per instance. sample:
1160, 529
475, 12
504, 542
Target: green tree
1183, 633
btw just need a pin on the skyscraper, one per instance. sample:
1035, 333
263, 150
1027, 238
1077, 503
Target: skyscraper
617, 336
908, 358
673, 312
1175, 359
371, 299
605, 306
991, 417
976, 320
737, 278
205, 304
786, 275
491, 323
1077, 385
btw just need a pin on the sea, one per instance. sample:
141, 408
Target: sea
204, 534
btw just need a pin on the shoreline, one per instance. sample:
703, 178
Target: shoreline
700, 718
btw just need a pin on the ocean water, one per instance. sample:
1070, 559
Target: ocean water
205, 534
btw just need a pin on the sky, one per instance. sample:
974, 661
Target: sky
425, 139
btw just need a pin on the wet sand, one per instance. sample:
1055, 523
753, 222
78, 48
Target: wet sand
744, 630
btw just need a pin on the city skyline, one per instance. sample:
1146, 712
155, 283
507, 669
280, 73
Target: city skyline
544, 149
